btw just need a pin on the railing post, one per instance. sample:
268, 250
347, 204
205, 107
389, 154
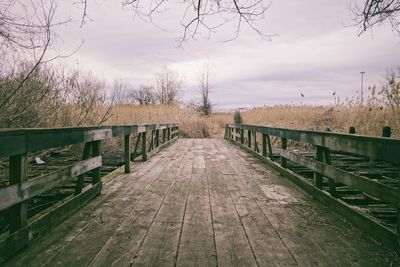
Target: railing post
157, 138
242, 136
328, 160
386, 131
144, 149
398, 212
255, 142
264, 144
81, 178
18, 213
249, 138
96, 151
271, 156
136, 146
151, 146
283, 146
127, 154
318, 178
164, 131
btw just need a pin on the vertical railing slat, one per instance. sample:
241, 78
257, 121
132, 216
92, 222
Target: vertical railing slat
96, 151
127, 153
144, 149
18, 214
283, 146
81, 178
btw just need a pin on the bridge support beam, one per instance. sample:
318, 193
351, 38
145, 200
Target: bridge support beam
96, 151
284, 146
127, 154
17, 173
144, 149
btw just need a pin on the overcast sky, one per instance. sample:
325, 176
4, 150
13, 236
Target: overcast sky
316, 52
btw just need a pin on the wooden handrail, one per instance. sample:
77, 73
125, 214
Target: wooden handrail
17, 143
378, 147
374, 148
14, 142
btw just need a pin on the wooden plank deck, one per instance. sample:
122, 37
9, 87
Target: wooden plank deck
203, 202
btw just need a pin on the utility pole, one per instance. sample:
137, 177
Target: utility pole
362, 85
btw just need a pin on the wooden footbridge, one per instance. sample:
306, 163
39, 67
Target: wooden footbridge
321, 199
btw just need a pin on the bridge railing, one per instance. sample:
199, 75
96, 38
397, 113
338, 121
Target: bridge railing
374, 148
16, 144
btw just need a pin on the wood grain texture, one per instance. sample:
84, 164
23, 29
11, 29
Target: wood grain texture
203, 203
377, 147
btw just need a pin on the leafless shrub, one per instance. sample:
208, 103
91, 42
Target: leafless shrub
144, 95
205, 106
87, 97
38, 103
122, 92
168, 86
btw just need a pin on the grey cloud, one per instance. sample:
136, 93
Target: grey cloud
314, 53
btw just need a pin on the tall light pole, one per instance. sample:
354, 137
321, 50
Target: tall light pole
362, 85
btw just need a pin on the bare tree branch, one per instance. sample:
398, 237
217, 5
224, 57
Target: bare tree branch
374, 12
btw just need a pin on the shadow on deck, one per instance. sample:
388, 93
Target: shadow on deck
203, 203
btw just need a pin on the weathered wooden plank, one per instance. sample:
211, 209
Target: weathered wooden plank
135, 153
18, 215
100, 232
275, 199
90, 216
96, 151
270, 153
373, 188
39, 140
156, 150
362, 221
45, 222
161, 243
264, 144
13, 142
144, 146
233, 247
17, 193
81, 178
259, 230
124, 244
283, 146
197, 247
318, 178
333, 235
378, 147
249, 138
127, 154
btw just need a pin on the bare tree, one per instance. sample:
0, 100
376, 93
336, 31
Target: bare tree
144, 95
122, 93
374, 12
204, 88
26, 33
168, 86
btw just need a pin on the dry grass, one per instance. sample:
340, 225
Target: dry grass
192, 124
367, 120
